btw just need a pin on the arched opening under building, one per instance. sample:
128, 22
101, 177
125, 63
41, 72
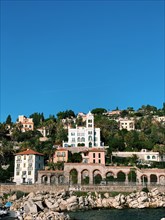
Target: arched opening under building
120, 177
85, 177
132, 176
109, 177
153, 179
97, 178
73, 177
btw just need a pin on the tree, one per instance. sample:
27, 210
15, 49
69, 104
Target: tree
98, 111
8, 120
66, 114
38, 118
75, 157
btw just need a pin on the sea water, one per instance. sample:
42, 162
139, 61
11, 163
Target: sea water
123, 214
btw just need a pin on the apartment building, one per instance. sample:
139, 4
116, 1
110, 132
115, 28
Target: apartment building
27, 164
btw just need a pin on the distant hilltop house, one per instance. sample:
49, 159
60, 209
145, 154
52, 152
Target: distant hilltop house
27, 124
89, 155
143, 155
27, 165
112, 113
88, 136
125, 123
160, 119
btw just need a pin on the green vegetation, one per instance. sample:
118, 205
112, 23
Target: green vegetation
148, 134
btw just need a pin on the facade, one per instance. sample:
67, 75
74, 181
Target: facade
142, 155
94, 155
27, 164
127, 124
60, 155
26, 123
89, 155
88, 136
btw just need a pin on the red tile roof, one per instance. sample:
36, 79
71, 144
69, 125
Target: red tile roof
29, 151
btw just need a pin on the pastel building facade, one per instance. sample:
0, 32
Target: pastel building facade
88, 136
89, 155
26, 123
27, 165
127, 124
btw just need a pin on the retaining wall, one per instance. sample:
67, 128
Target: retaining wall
92, 188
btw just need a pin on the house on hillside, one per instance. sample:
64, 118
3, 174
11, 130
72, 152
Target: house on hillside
27, 165
88, 136
89, 155
27, 124
125, 123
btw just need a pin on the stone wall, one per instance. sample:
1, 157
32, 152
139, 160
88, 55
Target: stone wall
55, 188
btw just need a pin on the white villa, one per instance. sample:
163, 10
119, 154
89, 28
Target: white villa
87, 136
27, 164
142, 155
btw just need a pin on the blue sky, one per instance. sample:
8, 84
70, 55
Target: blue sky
80, 55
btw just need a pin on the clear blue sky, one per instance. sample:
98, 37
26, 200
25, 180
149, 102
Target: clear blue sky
80, 55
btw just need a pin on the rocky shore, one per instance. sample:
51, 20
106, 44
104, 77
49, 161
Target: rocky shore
53, 206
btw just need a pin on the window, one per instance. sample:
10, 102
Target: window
24, 165
72, 134
24, 157
99, 161
39, 165
30, 157
89, 132
18, 157
18, 165
148, 157
89, 125
99, 155
30, 126
23, 172
63, 154
73, 139
29, 173
89, 121
93, 155
153, 157
83, 139
93, 160
90, 138
30, 165
17, 173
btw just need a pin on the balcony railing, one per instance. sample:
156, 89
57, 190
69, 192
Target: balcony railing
19, 161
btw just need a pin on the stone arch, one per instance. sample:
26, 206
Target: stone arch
61, 179
132, 176
85, 177
144, 179
97, 177
52, 179
153, 179
44, 179
121, 176
109, 176
73, 176
162, 180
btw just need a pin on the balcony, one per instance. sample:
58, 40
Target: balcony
19, 161
24, 176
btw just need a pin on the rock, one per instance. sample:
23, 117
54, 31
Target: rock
154, 192
106, 195
30, 207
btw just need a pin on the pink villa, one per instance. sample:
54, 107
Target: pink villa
89, 155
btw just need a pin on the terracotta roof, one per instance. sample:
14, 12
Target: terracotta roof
61, 149
96, 150
29, 151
